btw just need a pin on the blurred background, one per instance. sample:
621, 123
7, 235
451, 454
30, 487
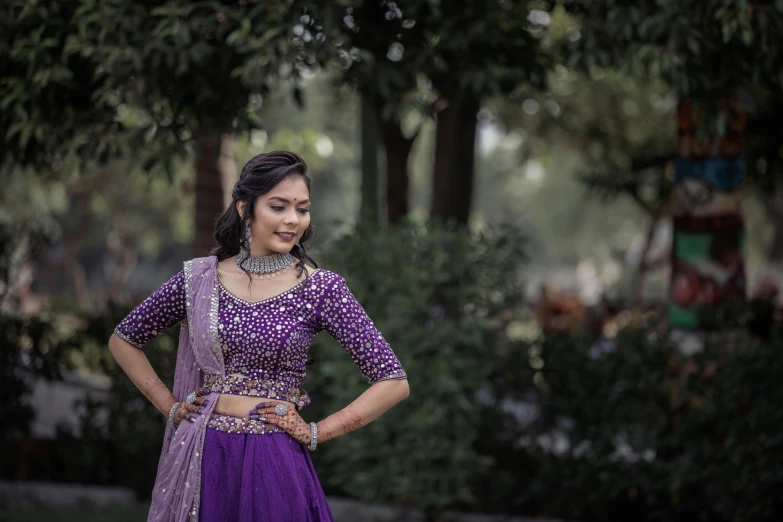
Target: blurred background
566, 217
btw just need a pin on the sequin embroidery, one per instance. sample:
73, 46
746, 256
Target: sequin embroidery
266, 342
229, 424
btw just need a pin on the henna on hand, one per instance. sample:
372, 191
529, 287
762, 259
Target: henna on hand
185, 410
344, 421
291, 422
158, 394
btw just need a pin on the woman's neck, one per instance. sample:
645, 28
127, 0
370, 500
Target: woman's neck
257, 251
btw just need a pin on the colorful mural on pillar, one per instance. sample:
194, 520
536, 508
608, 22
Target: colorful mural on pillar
708, 268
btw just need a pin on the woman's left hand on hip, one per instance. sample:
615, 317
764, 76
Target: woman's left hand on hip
291, 422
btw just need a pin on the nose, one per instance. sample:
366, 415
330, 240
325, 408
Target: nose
291, 218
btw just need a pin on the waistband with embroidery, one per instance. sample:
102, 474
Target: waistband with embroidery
252, 387
229, 424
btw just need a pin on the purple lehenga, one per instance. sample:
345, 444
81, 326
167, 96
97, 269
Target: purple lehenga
221, 468
252, 477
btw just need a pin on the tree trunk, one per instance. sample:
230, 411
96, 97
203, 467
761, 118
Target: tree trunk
771, 280
209, 188
455, 152
369, 211
637, 284
229, 173
773, 206
125, 253
398, 150
70, 260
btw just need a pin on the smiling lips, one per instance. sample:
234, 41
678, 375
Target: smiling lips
288, 236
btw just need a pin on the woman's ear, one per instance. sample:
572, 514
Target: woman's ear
240, 206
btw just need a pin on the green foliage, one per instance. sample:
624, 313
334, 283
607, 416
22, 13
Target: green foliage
702, 48
96, 79
621, 430
486, 48
644, 433
118, 441
199, 61
621, 128
705, 50
126, 450
53, 101
17, 370
391, 49
640, 433
441, 297
23, 232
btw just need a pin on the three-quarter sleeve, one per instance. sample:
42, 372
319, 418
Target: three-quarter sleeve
344, 318
161, 310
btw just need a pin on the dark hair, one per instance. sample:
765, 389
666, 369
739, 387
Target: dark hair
259, 176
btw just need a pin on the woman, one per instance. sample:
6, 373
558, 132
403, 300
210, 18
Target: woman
236, 448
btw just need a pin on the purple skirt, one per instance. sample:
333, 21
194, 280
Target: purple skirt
253, 472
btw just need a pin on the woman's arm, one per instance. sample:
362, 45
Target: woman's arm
160, 311
366, 408
370, 405
138, 368
338, 312
345, 319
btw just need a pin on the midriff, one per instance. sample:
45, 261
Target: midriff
240, 405
254, 388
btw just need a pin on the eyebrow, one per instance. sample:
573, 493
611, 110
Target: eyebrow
286, 201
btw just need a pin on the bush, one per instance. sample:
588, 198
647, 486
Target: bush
551, 426
120, 439
126, 453
441, 297
645, 433
633, 431
18, 370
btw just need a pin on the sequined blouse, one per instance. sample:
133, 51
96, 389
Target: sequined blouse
267, 341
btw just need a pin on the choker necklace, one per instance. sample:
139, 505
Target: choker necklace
264, 267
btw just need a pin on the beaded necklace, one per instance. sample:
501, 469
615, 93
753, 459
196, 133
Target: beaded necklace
264, 267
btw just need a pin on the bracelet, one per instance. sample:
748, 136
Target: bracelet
313, 436
171, 414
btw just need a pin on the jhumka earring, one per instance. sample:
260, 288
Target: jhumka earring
248, 237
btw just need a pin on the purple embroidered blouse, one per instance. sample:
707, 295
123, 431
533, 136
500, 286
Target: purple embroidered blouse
266, 341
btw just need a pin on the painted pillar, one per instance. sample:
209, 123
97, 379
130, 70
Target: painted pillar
708, 264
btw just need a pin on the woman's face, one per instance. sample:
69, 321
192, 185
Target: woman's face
281, 216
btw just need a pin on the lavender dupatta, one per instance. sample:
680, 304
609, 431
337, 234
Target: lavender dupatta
175, 497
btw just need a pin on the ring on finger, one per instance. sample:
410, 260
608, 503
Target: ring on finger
281, 410
191, 397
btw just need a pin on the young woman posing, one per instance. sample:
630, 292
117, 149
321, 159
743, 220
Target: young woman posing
236, 448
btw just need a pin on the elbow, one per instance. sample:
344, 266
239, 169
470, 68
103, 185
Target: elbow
406, 390
114, 345
395, 390
118, 346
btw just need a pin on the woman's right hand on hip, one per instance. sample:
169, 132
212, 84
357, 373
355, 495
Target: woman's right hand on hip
187, 411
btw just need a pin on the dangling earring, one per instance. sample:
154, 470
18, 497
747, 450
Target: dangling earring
248, 237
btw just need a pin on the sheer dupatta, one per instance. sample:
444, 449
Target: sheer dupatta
175, 497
